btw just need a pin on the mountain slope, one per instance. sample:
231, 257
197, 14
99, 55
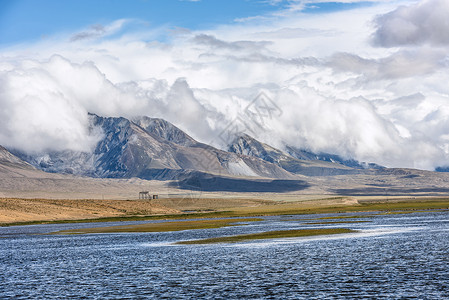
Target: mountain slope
7, 158
245, 165
18, 179
165, 130
352, 163
131, 150
247, 145
150, 149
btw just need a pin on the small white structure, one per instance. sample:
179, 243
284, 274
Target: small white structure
144, 195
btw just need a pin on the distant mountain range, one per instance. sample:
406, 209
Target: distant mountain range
155, 149
151, 148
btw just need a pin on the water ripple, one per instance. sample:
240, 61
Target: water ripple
391, 258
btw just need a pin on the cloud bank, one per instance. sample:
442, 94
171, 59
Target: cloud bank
336, 92
422, 23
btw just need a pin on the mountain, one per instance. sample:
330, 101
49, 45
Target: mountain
18, 179
165, 130
158, 149
66, 162
247, 145
333, 158
442, 169
9, 159
150, 149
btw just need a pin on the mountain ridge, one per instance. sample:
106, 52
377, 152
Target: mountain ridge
153, 148
247, 145
20, 179
128, 149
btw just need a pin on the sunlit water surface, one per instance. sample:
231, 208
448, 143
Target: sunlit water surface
392, 257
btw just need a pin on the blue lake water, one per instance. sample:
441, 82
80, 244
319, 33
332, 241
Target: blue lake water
402, 256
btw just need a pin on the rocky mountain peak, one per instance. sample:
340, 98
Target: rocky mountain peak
247, 145
165, 130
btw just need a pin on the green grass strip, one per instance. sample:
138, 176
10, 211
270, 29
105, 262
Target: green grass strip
269, 235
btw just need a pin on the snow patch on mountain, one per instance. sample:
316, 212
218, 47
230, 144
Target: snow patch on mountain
240, 168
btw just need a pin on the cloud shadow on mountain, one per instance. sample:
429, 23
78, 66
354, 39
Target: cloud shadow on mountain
226, 184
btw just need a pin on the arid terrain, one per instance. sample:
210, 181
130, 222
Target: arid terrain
28, 194
19, 210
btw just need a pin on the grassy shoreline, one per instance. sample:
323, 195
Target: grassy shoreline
298, 208
186, 216
268, 235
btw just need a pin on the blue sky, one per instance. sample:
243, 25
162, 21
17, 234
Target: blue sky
22, 20
31, 20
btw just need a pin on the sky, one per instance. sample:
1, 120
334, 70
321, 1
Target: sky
363, 79
23, 20
30, 20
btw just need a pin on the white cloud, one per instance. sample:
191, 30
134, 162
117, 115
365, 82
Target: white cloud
401, 64
421, 23
337, 93
98, 31
37, 116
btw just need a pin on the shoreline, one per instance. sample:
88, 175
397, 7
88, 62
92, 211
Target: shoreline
93, 211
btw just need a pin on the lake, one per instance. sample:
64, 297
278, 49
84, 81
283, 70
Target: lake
396, 256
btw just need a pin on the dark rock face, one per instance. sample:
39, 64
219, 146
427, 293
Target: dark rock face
442, 169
